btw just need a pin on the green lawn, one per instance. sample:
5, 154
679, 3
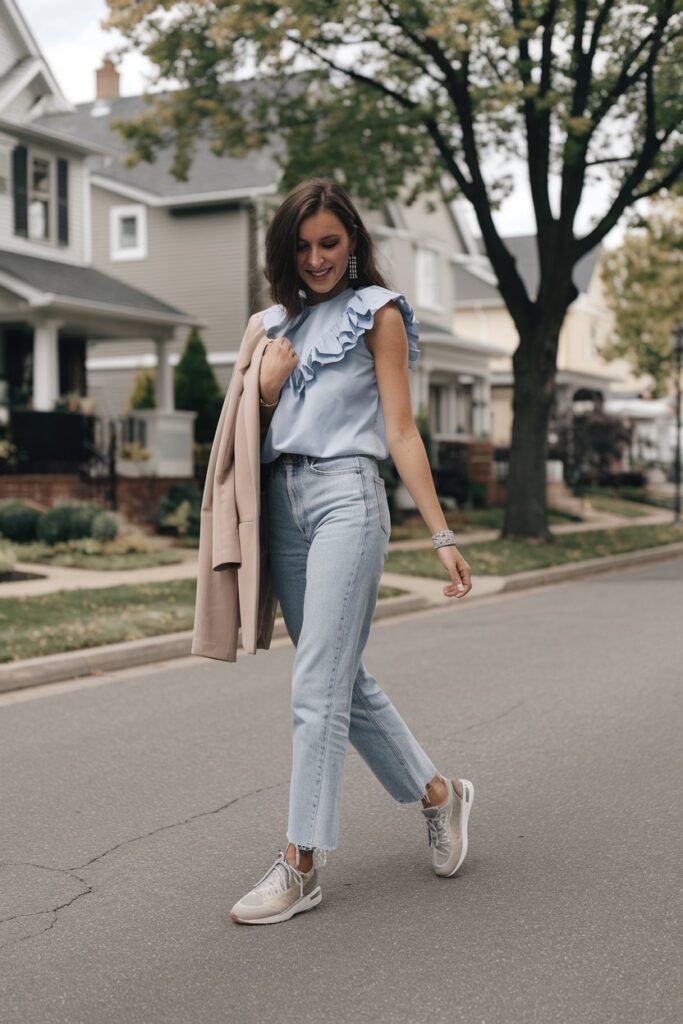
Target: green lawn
616, 506
413, 527
75, 555
72, 619
506, 557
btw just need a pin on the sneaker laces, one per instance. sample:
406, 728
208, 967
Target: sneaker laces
437, 830
283, 876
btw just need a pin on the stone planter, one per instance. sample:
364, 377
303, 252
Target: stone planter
134, 467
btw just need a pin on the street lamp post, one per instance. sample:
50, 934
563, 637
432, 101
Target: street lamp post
678, 347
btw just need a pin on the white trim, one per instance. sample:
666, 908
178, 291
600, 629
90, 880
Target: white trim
148, 360
40, 300
123, 312
429, 285
56, 254
495, 303
23, 77
118, 213
143, 196
34, 49
458, 341
30, 130
86, 213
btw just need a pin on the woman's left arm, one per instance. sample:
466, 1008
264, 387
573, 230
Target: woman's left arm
388, 343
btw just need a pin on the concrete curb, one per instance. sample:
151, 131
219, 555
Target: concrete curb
591, 567
56, 668
112, 657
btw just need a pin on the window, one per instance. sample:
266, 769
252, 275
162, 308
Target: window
428, 278
40, 198
438, 406
128, 232
464, 405
40, 184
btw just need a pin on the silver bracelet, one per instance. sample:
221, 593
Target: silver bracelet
443, 538
268, 404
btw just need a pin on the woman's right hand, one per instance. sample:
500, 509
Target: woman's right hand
278, 362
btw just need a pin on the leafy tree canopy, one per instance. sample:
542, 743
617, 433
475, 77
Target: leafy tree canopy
390, 89
644, 285
399, 98
143, 394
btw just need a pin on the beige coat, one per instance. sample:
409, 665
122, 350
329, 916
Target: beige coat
234, 587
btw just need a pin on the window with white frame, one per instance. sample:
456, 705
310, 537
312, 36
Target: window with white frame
428, 263
40, 198
438, 408
128, 232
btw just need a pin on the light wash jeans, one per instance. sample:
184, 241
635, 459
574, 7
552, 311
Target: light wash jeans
327, 530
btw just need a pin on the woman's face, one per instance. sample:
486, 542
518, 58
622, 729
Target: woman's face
322, 258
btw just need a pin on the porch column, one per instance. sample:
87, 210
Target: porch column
45, 365
481, 405
452, 409
164, 376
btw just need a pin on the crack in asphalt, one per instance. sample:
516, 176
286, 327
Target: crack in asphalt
71, 872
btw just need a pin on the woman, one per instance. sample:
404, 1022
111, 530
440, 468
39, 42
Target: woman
335, 400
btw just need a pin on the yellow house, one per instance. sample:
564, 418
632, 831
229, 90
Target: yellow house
582, 374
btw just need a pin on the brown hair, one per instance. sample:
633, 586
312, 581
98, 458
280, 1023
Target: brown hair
282, 238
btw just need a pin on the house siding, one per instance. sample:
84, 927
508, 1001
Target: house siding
74, 251
197, 263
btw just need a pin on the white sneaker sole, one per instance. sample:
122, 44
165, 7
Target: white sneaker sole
310, 900
465, 808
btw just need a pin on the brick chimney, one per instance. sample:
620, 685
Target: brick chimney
107, 81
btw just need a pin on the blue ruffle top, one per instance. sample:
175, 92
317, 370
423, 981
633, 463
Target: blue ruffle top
329, 405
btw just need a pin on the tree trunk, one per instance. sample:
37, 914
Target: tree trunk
534, 387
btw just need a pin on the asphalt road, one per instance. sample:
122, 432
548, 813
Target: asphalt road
136, 810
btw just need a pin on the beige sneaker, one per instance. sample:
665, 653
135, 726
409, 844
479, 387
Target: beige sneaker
447, 828
282, 892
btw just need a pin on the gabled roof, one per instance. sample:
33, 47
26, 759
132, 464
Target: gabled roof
470, 287
212, 175
47, 282
33, 61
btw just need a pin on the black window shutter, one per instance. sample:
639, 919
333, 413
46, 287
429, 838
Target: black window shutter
20, 186
63, 201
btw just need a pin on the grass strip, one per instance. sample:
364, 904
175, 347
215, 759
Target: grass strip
413, 527
42, 554
507, 557
69, 620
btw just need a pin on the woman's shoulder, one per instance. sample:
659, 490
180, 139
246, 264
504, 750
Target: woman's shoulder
366, 303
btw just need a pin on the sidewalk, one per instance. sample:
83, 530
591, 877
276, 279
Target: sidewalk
56, 577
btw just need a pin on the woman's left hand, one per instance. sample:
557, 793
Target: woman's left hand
459, 570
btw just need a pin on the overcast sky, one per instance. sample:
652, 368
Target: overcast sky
74, 44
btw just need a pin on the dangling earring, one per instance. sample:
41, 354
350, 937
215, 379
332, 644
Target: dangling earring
353, 267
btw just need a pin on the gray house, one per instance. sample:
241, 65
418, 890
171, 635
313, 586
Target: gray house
55, 304
104, 267
199, 244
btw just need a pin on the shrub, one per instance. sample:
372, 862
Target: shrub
143, 394
104, 526
19, 522
67, 522
179, 512
196, 387
7, 556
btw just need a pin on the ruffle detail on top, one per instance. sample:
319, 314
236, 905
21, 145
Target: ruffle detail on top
346, 331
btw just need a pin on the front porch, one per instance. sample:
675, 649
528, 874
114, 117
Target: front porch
51, 315
451, 389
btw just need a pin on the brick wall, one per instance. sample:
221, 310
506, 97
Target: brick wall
136, 497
